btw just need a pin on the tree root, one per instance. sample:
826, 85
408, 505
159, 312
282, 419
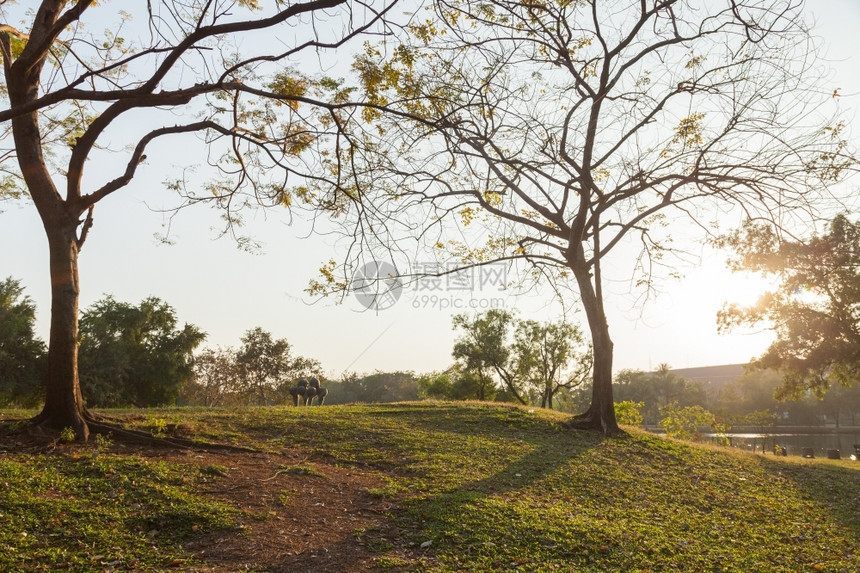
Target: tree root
111, 426
127, 436
590, 421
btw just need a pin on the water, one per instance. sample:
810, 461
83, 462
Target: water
794, 442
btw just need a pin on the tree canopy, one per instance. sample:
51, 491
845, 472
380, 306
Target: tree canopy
530, 360
814, 307
21, 352
89, 89
559, 134
266, 367
484, 349
135, 355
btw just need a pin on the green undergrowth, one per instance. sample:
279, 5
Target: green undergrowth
84, 510
481, 487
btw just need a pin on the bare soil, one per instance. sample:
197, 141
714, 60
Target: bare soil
296, 513
316, 520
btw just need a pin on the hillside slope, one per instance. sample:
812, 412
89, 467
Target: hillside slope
422, 487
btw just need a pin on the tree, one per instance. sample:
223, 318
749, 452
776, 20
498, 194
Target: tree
684, 422
70, 96
216, 378
267, 368
814, 309
485, 350
468, 385
263, 364
21, 353
525, 356
668, 386
456, 383
558, 134
543, 352
751, 392
135, 354
435, 385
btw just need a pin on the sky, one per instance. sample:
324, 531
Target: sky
226, 291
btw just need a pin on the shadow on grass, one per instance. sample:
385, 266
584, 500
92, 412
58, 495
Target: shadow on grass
473, 499
826, 484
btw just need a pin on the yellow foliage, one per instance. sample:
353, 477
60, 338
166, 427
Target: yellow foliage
467, 215
695, 62
288, 85
689, 130
329, 283
284, 198
600, 174
492, 198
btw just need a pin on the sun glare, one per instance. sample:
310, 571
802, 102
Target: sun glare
743, 289
680, 326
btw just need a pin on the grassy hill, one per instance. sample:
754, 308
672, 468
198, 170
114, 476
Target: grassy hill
417, 487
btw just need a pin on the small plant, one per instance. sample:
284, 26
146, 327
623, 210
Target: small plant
158, 427
684, 423
284, 498
103, 441
215, 470
304, 469
67, 435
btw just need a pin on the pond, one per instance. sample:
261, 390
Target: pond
794, 442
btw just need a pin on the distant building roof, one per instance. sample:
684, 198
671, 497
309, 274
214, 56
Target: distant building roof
719, 375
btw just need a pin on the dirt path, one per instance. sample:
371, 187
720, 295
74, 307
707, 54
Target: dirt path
296, 514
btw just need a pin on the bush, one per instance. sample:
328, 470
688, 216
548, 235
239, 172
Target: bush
684, 423
628, 412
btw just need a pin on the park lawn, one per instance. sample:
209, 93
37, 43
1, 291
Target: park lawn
456, 486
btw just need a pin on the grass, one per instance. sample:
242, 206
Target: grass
88, 510
475, 487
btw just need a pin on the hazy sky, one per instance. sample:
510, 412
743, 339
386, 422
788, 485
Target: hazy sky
226, 291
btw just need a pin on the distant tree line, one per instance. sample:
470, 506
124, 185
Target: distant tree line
751, 400
22, 354
374, 387
140, 355
260, 372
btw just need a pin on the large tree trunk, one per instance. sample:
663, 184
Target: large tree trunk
601, 413
64, 404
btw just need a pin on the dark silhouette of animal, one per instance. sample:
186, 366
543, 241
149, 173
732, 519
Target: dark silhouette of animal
299, 391
319, 391
305, 391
